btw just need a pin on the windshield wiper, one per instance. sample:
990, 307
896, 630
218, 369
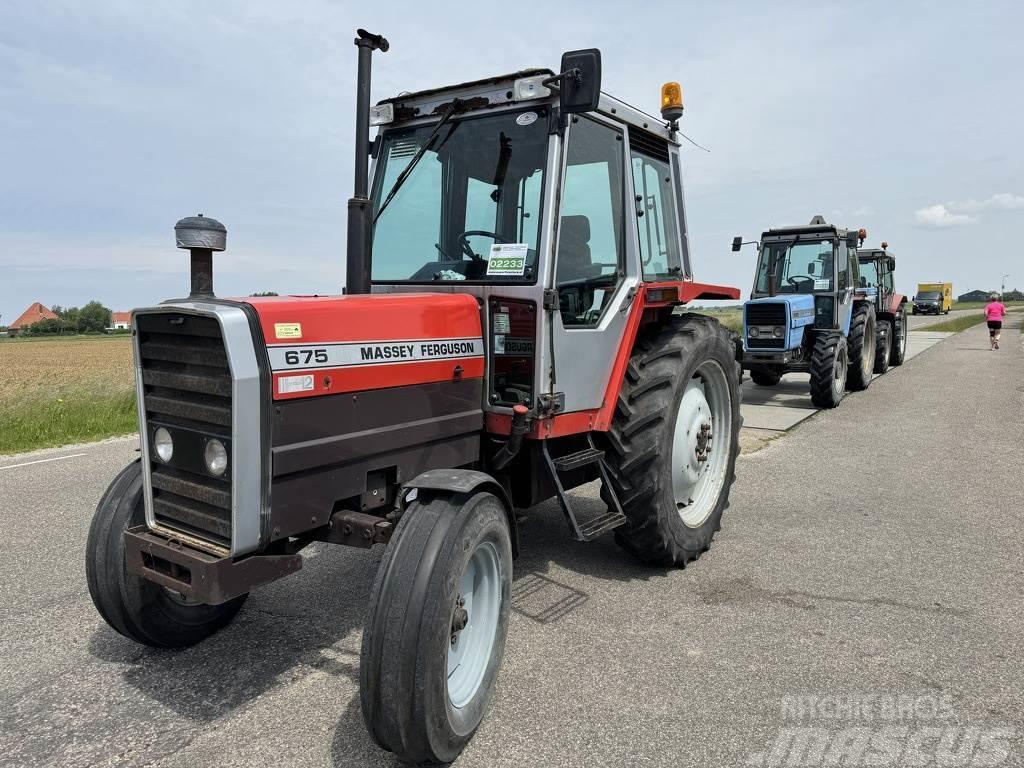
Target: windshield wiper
455, 106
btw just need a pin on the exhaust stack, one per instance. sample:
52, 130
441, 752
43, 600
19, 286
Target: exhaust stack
360, 223
201, 237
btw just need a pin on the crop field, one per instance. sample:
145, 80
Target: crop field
56, 391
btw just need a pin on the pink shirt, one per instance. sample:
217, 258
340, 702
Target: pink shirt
995, 311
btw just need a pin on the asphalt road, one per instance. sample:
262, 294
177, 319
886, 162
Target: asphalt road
873, 551
918, 321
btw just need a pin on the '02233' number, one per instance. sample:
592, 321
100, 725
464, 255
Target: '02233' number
305, 356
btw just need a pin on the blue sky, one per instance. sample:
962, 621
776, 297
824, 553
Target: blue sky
120, 117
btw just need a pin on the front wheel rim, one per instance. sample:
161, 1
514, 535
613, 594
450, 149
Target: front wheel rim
701, 443
474, 629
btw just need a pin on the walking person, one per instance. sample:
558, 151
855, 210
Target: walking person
995, 310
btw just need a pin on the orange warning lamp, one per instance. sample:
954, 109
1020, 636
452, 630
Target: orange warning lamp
672, 101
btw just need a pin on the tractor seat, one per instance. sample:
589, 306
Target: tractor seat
574, 259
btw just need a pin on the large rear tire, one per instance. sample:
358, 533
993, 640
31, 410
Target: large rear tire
674, 440
883, 339
767, 376
435, 633
139, 609
899, 346
861, 347
830, 365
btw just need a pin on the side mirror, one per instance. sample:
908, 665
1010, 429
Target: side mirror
851, 240
811, 268
892, 264
737, 243
580, 81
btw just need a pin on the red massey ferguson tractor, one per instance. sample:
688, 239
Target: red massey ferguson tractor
515, 335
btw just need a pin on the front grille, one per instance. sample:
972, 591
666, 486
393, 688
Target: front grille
763, 343
187, 390
769, 314
766, 314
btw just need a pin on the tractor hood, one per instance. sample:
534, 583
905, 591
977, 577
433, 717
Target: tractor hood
323, 345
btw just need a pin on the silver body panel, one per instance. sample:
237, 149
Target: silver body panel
247, 507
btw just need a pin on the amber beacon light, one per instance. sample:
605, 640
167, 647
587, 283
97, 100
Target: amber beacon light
672, 101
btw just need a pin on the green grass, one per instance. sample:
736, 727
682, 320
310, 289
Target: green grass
981, 304
954, 324
730, 317
44, 422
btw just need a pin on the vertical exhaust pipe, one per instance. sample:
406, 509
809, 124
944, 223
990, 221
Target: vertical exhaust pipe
360, 220
201, 236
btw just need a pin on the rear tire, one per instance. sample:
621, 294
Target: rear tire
861, 347
445, 547
830, 365
137, 608
899, 346
674, 440
766, 377
883, 337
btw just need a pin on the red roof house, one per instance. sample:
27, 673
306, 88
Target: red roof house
120, 320
33, 314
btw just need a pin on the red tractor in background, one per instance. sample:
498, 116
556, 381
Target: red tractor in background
516, 334
877, 267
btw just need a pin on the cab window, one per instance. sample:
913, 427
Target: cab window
657, 224
590, 237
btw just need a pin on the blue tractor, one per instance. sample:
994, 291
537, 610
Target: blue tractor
808, 311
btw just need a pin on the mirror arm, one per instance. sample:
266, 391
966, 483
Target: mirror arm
555, 82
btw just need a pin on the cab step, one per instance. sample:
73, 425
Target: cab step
584, 530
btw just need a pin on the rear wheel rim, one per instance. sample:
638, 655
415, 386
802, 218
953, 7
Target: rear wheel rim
701, 443
840, 370
475, 617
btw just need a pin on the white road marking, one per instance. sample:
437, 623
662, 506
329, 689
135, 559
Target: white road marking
42, 461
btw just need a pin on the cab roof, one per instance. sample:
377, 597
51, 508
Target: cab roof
498, 91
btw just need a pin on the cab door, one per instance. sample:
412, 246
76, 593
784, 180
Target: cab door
594, 273
848, 276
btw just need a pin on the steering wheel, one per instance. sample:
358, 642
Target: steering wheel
794, 279
464, 246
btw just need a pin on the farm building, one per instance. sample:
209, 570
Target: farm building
974, 296
33, 314
120, 321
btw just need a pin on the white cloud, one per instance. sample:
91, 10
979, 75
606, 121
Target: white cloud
1004, 201
939, 216
958, 213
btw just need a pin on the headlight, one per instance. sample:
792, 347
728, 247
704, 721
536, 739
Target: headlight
754, 332
163, 444
216, 457
778, 331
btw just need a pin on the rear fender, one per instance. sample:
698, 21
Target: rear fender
464, 482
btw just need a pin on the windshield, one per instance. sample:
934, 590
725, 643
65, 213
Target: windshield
929, 296
869, 274
470, 209
799, 267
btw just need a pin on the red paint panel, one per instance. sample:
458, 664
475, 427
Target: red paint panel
304, 321
369, 317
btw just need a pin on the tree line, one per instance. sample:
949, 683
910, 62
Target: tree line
92, 318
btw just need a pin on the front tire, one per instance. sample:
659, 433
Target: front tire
137, 608
862, 347
435, 633
674, 440
830, 364
899, 346
883, 338
768, 376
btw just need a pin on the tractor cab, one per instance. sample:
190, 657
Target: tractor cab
877, 268
551, 202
